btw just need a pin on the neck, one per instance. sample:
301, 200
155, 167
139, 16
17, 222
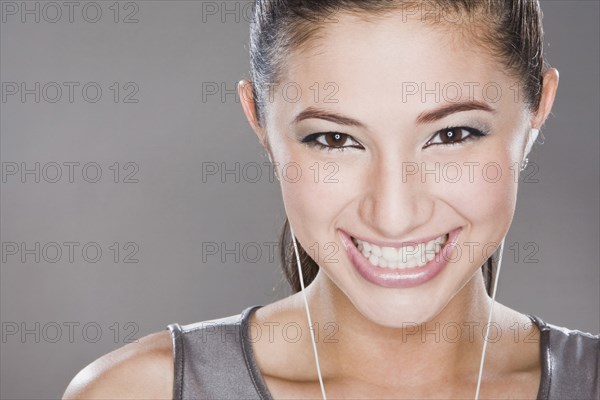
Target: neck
448, 347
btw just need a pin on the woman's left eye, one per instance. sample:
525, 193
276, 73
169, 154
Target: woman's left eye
331, 141
454, 135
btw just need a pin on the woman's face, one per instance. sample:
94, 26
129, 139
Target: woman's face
393, 175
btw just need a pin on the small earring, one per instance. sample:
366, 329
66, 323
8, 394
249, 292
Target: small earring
524, 164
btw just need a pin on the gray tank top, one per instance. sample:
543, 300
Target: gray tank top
214, 360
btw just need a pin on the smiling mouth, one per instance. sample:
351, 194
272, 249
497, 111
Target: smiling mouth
404, 257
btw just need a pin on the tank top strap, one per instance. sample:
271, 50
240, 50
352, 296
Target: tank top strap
545, 358
570, 361
213, 359
177, 337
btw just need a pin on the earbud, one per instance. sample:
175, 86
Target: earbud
274, 166
531, 138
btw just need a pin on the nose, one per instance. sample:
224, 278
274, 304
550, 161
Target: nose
397, 200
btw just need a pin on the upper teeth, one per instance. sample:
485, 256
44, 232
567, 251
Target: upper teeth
405, 257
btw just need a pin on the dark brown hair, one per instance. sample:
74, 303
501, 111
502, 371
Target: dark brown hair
510, 30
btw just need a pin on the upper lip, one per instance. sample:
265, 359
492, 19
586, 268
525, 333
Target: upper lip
398, 244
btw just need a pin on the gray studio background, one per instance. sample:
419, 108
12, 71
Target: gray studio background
162, 140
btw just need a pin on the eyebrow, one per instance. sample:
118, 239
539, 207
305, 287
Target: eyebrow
423, 118
444, 111
313, 112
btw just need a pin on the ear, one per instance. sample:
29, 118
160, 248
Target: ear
246, 96
549, 88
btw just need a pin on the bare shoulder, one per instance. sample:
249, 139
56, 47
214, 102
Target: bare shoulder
141, 370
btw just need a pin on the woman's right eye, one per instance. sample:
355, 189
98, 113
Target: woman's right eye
331, 141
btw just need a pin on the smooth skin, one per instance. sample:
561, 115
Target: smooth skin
364, 352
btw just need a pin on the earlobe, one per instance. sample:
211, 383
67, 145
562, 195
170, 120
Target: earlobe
246, 96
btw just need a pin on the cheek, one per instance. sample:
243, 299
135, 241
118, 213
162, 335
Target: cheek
316, 192
313, 193
486, 196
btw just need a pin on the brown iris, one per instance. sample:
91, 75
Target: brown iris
335, 139
452, 135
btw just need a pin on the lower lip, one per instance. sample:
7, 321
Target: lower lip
400, 278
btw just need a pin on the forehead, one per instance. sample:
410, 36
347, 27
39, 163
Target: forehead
375, 61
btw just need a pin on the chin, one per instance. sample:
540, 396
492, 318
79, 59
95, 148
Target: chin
403, 311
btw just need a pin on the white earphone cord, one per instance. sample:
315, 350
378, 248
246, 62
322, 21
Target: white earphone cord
487, 330
312, 334
310, 325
